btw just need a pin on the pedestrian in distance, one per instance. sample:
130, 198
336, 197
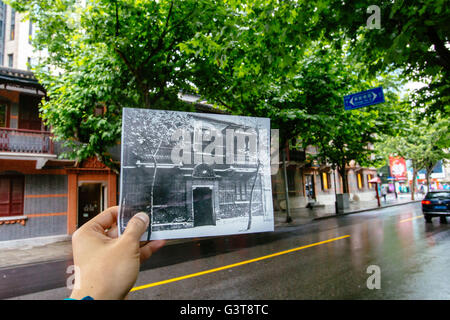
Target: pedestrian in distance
384, 192
108, 265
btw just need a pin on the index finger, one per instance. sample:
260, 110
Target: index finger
104, 220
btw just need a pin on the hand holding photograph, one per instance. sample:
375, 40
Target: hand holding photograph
195, 174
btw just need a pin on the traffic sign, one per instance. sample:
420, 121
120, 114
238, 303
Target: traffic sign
364, 98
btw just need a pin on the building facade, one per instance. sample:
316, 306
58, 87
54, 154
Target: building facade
40, 194
313, 184
16, 33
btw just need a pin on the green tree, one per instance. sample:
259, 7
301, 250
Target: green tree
422, 142
340, 136
413, 39
113, 53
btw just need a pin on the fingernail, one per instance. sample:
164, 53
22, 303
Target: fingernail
144, 217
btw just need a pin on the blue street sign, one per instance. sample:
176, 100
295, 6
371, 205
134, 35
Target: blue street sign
364, 98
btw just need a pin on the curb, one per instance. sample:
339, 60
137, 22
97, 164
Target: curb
293, 223
366, 209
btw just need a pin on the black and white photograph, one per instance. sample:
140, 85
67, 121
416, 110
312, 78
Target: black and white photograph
195, 174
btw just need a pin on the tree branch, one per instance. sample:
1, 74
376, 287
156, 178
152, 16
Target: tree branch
443, 53
117, 19
166, 30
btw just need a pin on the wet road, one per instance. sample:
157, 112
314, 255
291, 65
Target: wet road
326, 259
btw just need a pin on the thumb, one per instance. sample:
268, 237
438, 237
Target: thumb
137, 225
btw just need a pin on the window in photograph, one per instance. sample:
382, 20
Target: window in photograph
241, 191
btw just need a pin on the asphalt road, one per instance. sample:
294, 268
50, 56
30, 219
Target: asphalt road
384, 254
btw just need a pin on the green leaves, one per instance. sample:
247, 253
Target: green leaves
289, 60
114, 54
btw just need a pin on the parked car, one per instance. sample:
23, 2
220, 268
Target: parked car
436, 204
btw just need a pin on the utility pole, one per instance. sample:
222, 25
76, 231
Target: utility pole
335, 191
286, 188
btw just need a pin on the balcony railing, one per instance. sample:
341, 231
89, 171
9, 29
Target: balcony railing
22, 140
295, 155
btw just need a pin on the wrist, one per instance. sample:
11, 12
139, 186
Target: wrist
79, 295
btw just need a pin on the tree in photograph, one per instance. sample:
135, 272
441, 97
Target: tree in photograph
148, 133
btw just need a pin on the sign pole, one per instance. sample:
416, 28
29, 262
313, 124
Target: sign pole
378, 194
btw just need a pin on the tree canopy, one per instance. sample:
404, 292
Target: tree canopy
420, 141
292, 61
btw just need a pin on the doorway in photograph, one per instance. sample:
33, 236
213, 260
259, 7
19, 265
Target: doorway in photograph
203, 206
90, 201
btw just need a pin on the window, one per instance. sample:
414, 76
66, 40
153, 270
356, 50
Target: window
30, 32
369, 177
10, 60
291, 180
438, 195
11, 196
2, 30
3, 115
227, 192
13, 25
241, 191
99, 110
29, 112
325, 181
360, 181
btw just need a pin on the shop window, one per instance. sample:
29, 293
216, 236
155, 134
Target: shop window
360, 181
325, 179
11, 195
369, 177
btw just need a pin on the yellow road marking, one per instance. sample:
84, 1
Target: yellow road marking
154, 284
409, 219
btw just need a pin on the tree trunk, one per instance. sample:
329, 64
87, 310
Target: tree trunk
286, 189
344, 179
413, 184
428, 175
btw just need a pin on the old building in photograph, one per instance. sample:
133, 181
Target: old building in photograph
175, 171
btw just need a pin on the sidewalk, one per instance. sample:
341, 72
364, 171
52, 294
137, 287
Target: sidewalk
62, 250
306, 215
